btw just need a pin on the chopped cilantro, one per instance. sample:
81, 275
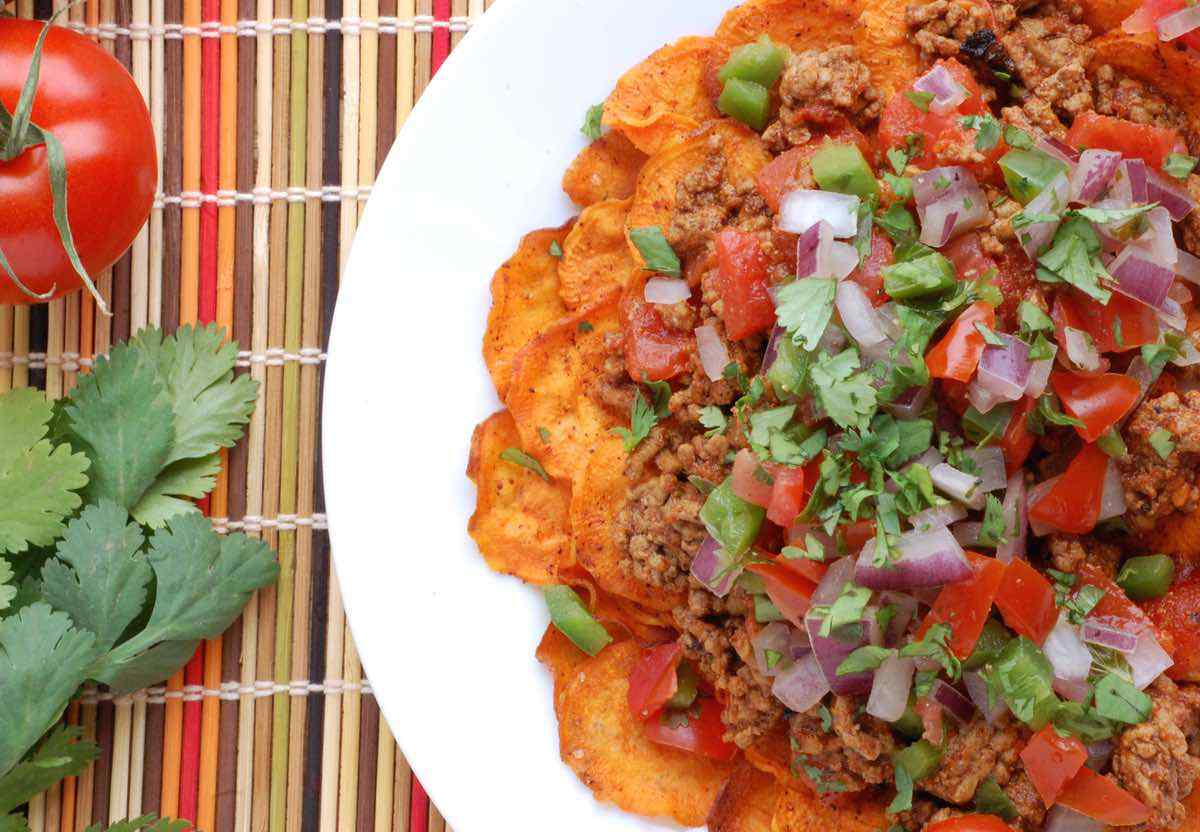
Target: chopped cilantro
826, 718
518, 457
898, 223
585, 327
989, 131
920, 100
867, 657
804, 308
1074, 258
991, 532
901, 186
1157, 356
848, 397
1117, 699
935, 645
1179, 165
989, 336
642, 419
656, 252
847, 610
1162, 441
591, 121
713, 418
1017, 138
734, 374
1083, 602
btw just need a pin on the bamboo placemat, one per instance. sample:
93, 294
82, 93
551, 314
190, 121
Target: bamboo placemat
272, 118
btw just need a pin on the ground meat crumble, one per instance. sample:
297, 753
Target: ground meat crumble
844, 750
1157, 487
1068, 553
819, 85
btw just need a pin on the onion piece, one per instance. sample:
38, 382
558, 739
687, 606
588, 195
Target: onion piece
801, 209
772, 350
1112, 499
950, 216
937, 517
1076, 690
909, 404
830, 652
812, 250
957, 485
1133, 174
890, 689
967, 533
990, 461
1120, 640
713, 568
1058, 149
666, 290
929, 457
1188, 267
1015, 519
1093, 175
1081, 349
1062, 819
980, 397
946, 91
802, 685
905, 607
1052, 199
843, 260
835, 579
1066, 651
1172, 316
1004, 371
1178, 23
858, 314
939, 183
1140, 278
958, 706
1031, 499
1148, 660
776, 638
1039, 374
1157, 241
977, 688
714, 356
923, 559
1173, 197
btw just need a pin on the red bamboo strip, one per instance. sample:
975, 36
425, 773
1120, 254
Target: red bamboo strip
419, 811
441, 35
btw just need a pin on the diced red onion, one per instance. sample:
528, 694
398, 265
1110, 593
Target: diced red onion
957, 485
1188, 356
1174, 197
1081, 349
1031, 500
1015, 519
1135, 185
909, 404
1076, 690
938, 517
714, 356
713, 568
967, 533
1058, 149
836, 576
801, 209
950, 216
1039, 374
1052, 199
946, 91
952, 181
746, 479
802, 685
776, 637
954, 703
1106, 636
977, 688
1188, 267
890, 320
1093, 175
929, 558
830, 652
1141, 279
872, 632
1178, 23
980, 397
929, 457
843, 260
812, 249
858, 314
890, 689
1062, 819
666, 290
1140, 372
833, 340
799, 645
1004, 371
1099, 754
905, 607
990, 460
1066, 651
1172, 316
1112, 500
1148, 660
1157, 242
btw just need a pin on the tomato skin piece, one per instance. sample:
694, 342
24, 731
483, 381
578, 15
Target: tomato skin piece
91, 104
966, 253
1138, 322
1149, 143
790, 591
789, 495
1051, 761
970, 823
1097, 401
1151, 12
653, 680
957, 355
1100, 798
870, 274
746, 303
964, 606
702, 734
1072, 504
1018, 439
793, 168
653, 350
1176, 614
1026, 601
855, 535
1115, 608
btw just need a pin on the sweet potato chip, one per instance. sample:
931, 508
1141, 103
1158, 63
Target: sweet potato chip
605, 169
657, 189
1177, 535
524, 301
746, 802
596, 256
1107, 15
664, 97
560, 657
798, 24
603, 744
599, 495
1172, 71
800, 810
521, 523
884, 44
558, 421
771, 754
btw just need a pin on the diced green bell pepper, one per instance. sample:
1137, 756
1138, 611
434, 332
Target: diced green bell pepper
991, 641
733, 522
574, 621
1146, 577
920, 759
932, 274
688, 688
1027, 172
843, 169
746, 101
786, 374
761, 62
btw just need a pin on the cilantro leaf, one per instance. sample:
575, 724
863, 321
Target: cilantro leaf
1117, 699
1162, 441
713, 418
642, 420
898, 223
804, 308
1016, 137
989, 131
935, 645
904, 792
60, 755
1074, 257
656, 252
145, 823
920, 100
1033, 319
43, 660
867, 657
992, 530
901, 186
1112, 215
518, 457
592, 121
848, 397
37, 480
1179, 165
165, 498
7, 591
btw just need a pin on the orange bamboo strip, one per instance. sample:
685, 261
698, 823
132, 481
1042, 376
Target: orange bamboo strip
70, 784
189, 266
172, 749
402, 790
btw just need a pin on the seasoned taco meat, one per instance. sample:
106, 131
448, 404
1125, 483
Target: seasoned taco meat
1068, 553
851, 754
1156, 487
817, 86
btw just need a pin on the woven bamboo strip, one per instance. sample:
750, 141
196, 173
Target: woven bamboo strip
118, 792
189, 273
155, 242
53, 817
102, 771
385, 108
459, 9
401, 793
405, 65
69, 784
137, 758
139, 313
385, 779
35, 815
350, 118
56, 312
351, 709
436, 822
368, 76
84, 792
368, 759
331, 741
424, 50
6, 346
20, 344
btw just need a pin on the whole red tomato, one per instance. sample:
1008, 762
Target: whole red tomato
89, 102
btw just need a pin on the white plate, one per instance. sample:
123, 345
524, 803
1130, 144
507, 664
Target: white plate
447, 644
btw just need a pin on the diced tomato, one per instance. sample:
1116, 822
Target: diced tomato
1136, 323
792, 168
855, 535
1151, 12
698, 730
653, 680
1072, 504
954, 395
1097, 401
787, 588
1051, 761
1100, 798
1018, 439
789, 495
1015, 276
1026, 601
751, 481
870, 274
966, 253
810, 569
1144, 141
1115, 608
653, 350
957, 355
970, 823
746, 305
964, 606
942, 135
1177, 614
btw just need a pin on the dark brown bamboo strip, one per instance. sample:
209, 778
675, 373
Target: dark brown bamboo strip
368, 759
386, 126
104, 767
